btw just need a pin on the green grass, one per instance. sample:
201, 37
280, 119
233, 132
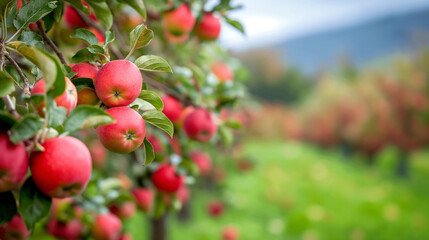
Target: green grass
299, 192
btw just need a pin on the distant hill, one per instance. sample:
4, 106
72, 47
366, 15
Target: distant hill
362, 43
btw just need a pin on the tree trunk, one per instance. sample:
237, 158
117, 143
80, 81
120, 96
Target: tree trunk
159, 228
403, 167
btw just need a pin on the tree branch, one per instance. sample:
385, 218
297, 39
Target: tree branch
27, 86
10, 107
50, 43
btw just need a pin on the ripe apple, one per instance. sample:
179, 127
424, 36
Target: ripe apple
215, 208
123, 210
178, 21
70, 230
183, 115
176, 39
72, 18
200, 125
85, 70
143, 198
126, 236
222, 72
230, 233
13, 163
156, 144
172, 108
118, 83
98, 154
183, 194
203, 161
166, 179
15, 229
106, 227
126, 134
67, 100
63, 169
209, 27
87, 96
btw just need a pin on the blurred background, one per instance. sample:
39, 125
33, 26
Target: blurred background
336, 145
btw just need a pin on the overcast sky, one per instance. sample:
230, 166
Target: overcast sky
269, 21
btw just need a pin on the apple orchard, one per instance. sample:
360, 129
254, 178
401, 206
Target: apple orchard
143, 84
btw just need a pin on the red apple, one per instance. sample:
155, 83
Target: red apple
118, 83
203, 161
98, 154
123, 210
209, 27
67, 100
85, 70
200, 125
14, 230
126, 236
13, 163
87, 96
73, 20
230, 233
126, 134
166, 179
172, 108
183, 115
106, 227
63, 169
176, 39
183, 194
143, 198
178, 21
222, 72
215, 208
70, 230
156, 144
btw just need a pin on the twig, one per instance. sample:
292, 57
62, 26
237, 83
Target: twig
10, 107
27, 86
1, 56
91, 23
50, 43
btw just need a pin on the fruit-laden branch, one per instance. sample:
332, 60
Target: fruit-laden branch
27, 86
91, 23
50, 43
10, 107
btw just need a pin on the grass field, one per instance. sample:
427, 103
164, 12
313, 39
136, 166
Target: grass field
301, 192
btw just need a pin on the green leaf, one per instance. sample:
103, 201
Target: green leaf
86, 117
152, 98
101, 11
110, 37
6, 84
80, 83
11, 70
78, 4
226, 135
5, 6
138, 5
152, 63
7, 207
236, 24
6, 120
233, 124
57, 115
140, 104
84, 55
33, 204
159, 120
149, 152
140, 36
26, 128
55, 82
32, 39
86, 35
33, 11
